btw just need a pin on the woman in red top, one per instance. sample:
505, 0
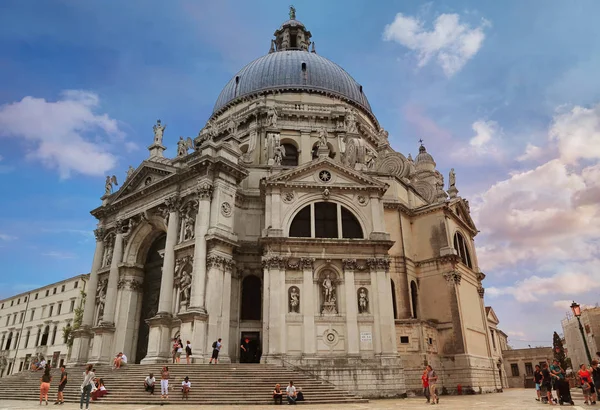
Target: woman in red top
425, 381
587, 385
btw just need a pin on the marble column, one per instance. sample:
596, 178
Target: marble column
275, 270
375, 301
108, 318
265, 311
165, 301
387, 330
307, 306
224, 321
128, 321
351, 307
198, 300
83, 336
214, 293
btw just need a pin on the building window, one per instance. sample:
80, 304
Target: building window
62, 288
463, 250
51, 310
529, 369
76, 284
414, 296
45, 335
32, 314
8, 341
2, 306
325, 220
21, 317
58, 309
36, 296
291, 155
72, 307
27, 338
54, 291
7, 320
12, 302
493, 338
14, 319
47, 292
404, 339
18, 301
54, 334
514, 368
430, 340
395, 308
25, 300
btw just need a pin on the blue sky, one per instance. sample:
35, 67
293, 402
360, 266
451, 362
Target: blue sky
507, 93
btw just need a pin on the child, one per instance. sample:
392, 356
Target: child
185, 387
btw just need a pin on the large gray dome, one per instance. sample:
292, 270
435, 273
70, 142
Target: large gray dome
292, 70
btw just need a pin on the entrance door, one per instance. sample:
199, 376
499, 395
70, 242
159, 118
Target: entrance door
151, 294
251, 341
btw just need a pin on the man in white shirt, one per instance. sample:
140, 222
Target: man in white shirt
149, 383
186, 385
291, 393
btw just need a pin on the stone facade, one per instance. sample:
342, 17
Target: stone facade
32, 323
590, 320
519, 364
293, 223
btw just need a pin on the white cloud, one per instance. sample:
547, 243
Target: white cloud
532, 152
577, 133
5, 237
515, 333
66, 134
451, 42
59, 255
485, 144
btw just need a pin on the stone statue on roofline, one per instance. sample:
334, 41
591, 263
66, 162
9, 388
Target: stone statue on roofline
159, 130
108, 186
183, 146
292, 13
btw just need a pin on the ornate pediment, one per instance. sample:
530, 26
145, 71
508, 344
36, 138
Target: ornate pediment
461, 209
325, 173
491, 315
146, 175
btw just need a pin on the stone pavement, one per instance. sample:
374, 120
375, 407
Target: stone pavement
513, 399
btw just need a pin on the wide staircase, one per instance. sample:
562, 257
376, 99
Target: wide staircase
244, 384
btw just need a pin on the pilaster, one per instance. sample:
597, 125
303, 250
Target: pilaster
165, 302
351, 307
108, 318
307, 306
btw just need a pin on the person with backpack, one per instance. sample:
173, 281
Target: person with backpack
216, 349
188, 352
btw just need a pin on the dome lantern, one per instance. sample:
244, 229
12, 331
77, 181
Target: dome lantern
292, 35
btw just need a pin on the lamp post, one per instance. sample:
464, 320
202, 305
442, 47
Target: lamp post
577, 312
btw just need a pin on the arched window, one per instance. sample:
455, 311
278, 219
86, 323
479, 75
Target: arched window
394, 298
251, 298
291, 155
460, 244
322, 220
414, 298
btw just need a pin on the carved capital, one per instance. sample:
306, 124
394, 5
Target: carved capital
226, 264
307, 263
205, 190
173, 203
378, 263
275, 262
131, 284
99, 234
453, 277
349, 264
481, 291
120, 226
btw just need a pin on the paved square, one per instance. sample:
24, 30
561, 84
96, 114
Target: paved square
514, 399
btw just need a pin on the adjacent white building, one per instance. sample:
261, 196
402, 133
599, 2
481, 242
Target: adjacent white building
590, 321
32, 323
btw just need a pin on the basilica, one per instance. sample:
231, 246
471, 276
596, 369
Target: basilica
290, 221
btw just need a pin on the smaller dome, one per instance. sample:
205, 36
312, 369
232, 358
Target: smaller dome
291, 23
424, 160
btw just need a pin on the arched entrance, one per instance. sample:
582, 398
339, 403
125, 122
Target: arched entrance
151, 294
250, 317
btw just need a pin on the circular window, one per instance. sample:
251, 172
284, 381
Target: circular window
325, 176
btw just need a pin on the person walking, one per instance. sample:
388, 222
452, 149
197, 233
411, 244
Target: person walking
547, 382
61, 386
188, 352
537, 378
216, 349
86, 386
164, 383
174, 350
587, 385
425, 382
596, 375
45, 385
432, 380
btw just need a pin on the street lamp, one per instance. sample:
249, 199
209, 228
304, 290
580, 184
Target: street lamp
577, 312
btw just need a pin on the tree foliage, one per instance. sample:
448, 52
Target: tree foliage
78, 318
559, 351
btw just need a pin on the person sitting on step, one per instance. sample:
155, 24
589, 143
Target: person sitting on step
186, 385
277, 394
149, 383
291, 393
100, 390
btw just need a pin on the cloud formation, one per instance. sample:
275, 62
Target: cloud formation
451, 43
67, 134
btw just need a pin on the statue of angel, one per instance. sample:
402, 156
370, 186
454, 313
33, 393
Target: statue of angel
108, 187
183, 146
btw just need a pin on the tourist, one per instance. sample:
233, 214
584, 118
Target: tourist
216, 349
537, 378
86, 386
425, 382
277, 394
186, 385
100, 390
587, 385
41, 365
547, 382
45, 385
596, 376
188, 352
245, 346
149, 382
61, 385
164, 383
178, 351
291, 393
174, 350
432, 380
558, 376
119, 361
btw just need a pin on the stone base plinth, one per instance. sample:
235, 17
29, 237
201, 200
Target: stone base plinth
159, 340
80, 350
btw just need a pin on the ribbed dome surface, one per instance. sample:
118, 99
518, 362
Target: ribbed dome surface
282, 70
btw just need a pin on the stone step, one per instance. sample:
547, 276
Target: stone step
211, 384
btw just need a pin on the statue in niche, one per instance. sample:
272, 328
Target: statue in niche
452, 178
272, 117
370, 159
159, 130
100, 300
183, 146
329, 298
188, 222
279, 154
350, 122
108, 252
363, 301
323, 138
185, 286
294, 300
